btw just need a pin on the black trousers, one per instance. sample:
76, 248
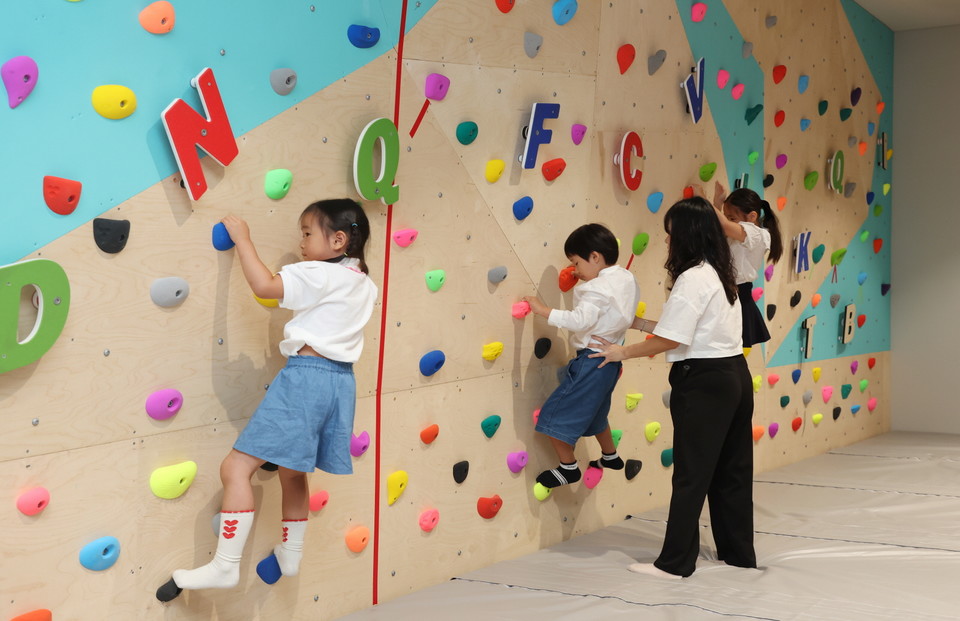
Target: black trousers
711, 404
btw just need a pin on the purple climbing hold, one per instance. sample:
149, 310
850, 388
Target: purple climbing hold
19, 77
436, 86
359, 444
577, 132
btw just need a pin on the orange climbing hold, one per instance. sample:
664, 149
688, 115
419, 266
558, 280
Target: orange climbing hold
357, 538
36, 615
429, 434
158, 18
758, 431
567, 278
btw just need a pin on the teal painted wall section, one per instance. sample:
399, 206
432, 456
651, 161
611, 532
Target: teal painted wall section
876, 43
81, 45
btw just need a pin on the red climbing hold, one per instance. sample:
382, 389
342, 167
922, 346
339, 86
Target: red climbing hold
61, 195
779, 117
625, 57
877, 245
505, 6
567, 278
779, 72
489, 507
553, 168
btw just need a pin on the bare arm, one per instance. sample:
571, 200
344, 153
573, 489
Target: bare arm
731, 229
644, 325
614, 353
264, 283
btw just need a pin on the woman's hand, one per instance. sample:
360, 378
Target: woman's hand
610, 352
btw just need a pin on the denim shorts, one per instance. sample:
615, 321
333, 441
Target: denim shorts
580, 404
306, 418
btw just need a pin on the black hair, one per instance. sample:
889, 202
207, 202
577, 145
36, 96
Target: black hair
343, 214
591, 238
745, 201
695, 237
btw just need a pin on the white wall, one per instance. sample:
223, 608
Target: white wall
926, 247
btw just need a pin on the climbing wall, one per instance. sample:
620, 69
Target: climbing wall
784, 90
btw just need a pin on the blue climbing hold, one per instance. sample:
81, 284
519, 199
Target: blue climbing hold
802, 83
431, 362
871, 127
795, 375
100, 554
870, 197
804, 124
363, 36
269, 569
564, 10
522, 208
221, 238
861, 278
654, 201
854, 409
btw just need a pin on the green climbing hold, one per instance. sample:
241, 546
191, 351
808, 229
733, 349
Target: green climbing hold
863, 384
467, 132
640, 243
490, 424
845, 390
707, 171
752, 113
753, 157
877, 210
617, 434
435, 279
666, 457
810, 181
822, 107
837, 256
845, 113
864, 236
818, 253
277, 182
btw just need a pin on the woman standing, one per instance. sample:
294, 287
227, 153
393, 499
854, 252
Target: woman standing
711, 401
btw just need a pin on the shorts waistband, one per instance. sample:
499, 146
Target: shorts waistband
318, 362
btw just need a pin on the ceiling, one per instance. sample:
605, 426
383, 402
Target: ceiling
914, 14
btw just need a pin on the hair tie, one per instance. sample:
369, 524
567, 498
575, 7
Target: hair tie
353, 225
761, 213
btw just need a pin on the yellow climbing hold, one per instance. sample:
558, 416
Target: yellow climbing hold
651, 431
641, 309
172, 481
540, 491
757, 382
746, 351
396, 483
816, 374
494, 170
113, 101
266, 302
492, 351
817, 418
633, 399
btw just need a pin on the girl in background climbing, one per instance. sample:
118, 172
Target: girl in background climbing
711, 397
752, 228
605, 302
306, 418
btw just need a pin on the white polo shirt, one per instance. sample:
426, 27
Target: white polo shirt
605, 306
331, 303
748, 254
698, 316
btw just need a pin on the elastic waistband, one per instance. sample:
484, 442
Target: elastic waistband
317, 362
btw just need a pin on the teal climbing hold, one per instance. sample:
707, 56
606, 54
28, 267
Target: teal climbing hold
666, 457
817, 253
784, 401
467, 132
752, 113
845, 113
822, 107
845, 390
490, 424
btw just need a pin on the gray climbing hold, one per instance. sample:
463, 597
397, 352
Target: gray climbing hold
771, 21
497, 274
852, 141
834, 299
656, 61
531, 43
169, 292
666, 399
282, 81
807, 397
747, 49
848, 189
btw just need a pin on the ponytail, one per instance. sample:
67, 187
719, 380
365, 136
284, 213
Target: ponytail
746, 201
343, 214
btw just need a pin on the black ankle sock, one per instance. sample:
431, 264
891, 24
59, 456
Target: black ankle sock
561, 475
613, 462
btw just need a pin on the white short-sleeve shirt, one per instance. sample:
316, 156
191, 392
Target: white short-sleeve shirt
699, 317
748, 254
605, 306
331, 303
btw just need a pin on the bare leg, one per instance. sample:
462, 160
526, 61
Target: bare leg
564, 451
605, 438
236, 470
296, 494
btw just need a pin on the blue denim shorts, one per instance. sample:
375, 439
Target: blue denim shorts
580, 404
306, 418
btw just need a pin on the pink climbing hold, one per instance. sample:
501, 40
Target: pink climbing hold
698, 11
827, 393
436, 86
772, 379
591, 478
781, 161
319, 500
536, 416
359, 444
872, 404
19, 77
405, 237
737, 91
723, 76
164, 404
33, 501
429, 520
757, 293
520, 310
577, 132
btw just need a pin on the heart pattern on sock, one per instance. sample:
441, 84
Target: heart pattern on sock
229, 529
285, 529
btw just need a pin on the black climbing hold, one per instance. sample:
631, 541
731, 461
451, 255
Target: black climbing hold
111, 235
269, 467
168, 591
460, 470
836, 413
771, 311
632, 468
768, 181
794, 299
542, 347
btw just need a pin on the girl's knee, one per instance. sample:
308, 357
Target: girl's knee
238, 465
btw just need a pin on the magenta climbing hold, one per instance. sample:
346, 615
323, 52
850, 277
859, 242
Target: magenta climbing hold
577, 132
359, 444
698, 11
319, 500
773, 429
591, 478
854, 366
164, 404
781, 160
19, 76
405, 237
520, 310
429, 520
516, 461
768, 273
436, 86
33, 501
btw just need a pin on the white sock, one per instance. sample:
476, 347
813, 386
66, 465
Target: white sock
290, 550
223, 572
650, 569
